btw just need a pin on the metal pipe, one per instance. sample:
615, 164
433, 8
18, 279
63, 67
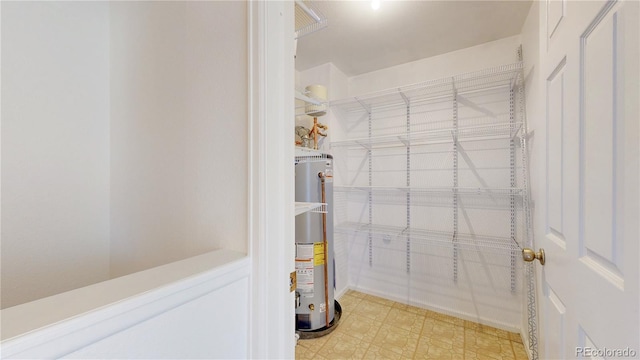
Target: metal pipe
315, 136
326, 257
315, 131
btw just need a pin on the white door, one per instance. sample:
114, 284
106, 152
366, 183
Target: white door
589, 63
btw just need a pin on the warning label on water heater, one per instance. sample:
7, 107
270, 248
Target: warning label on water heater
304, 269
304, 274
318, 254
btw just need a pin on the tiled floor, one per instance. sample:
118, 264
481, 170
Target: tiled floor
377, 328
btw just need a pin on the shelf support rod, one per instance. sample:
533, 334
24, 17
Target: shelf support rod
366, 108
370, 163
455, 184
364, 145
404, 97
532, 316
408, 183
513, 183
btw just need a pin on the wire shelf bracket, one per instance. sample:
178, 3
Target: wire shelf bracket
309, 19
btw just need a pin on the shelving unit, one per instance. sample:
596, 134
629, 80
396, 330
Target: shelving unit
308, 19
392, 136
435, 199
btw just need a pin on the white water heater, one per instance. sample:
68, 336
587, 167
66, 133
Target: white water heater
316, 308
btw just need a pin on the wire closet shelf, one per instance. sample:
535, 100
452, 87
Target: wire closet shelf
434, 190
498, 79
308, 18
505, 76
472, 242
405, 108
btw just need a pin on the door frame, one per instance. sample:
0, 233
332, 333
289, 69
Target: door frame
271, 178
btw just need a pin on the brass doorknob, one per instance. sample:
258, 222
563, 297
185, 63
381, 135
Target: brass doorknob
529, 255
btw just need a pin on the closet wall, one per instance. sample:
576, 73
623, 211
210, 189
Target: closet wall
124, 139
484, 56
55, 148
178, 131
483, 290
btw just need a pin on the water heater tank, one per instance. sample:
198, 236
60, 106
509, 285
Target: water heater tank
311, 264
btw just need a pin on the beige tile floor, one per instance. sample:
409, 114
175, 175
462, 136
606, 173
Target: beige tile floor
377, 328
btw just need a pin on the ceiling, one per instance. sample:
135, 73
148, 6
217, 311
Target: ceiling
359, 39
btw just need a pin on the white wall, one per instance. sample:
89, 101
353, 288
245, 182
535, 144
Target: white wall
179, 131
149, 139
199, 307
494, 53
55, 147
125, 138
217, 131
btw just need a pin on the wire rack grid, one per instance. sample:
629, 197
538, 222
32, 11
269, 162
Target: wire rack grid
505, 76
484, 243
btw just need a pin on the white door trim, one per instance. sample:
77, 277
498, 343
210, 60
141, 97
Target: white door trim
271, 199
